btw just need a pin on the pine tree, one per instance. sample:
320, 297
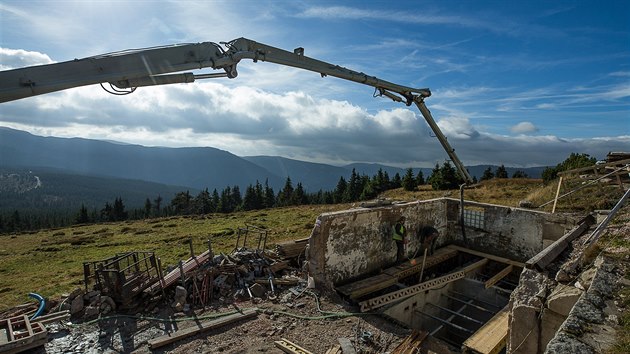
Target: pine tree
147, 208
408, 181
340, 190
82, 216
487, 174
270, 196
501, 172
420, 178
285, 195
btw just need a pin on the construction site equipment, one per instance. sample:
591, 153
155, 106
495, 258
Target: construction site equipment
125, 71
122, 276
244, 232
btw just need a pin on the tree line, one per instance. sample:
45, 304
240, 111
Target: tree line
357, 187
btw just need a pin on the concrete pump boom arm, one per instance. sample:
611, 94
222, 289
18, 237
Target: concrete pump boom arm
128, 70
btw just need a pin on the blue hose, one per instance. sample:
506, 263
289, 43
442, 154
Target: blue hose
42, 304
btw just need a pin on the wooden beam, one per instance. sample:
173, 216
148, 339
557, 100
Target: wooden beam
291, 348
502, 274
546, 256
475, 265
486, 255
555, 200
490, 338
201, 327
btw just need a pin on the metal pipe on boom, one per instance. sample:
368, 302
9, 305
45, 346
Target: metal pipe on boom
153, 66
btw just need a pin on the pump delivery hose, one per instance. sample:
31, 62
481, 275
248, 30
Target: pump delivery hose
42, 304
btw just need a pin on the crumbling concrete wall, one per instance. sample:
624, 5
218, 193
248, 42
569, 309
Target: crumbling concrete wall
349, 244
513, 233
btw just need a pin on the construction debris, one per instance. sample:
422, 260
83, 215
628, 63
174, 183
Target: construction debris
292, 249
289, 347
412, 343
202, 327
18, 334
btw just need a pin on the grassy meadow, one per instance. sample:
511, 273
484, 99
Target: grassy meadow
50, 262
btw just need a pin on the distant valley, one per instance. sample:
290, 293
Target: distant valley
69, 170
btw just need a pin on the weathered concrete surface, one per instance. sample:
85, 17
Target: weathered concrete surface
588, 328
526, 306
351, 244
562, 299
348, 244
513, 233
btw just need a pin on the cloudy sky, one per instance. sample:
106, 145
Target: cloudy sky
520, 83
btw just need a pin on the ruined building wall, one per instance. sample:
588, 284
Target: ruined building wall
348, 244
514, 233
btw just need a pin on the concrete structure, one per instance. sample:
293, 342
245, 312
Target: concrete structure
347, 245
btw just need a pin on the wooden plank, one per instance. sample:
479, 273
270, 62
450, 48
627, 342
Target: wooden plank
202, 327
491, 337
27, 324
486, 255
346, 346
411, 344
289, 347
406, 269
475, 265
368, 285
546, 256
502, 274
336, 349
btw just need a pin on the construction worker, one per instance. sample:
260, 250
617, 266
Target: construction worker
399, 235
428, 238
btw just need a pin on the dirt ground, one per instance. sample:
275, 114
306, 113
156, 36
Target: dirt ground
292, 317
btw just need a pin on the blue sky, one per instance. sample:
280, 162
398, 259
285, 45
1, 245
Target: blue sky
520, 83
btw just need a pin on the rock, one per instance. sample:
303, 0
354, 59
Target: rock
180, 296
562, 299
587, 277
90, 295
91, 312
586, 311
564, 343
525, 204
257, 290
77, 305
108, 300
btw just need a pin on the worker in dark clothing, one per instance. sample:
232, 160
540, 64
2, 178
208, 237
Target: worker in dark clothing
399, 234
428, 238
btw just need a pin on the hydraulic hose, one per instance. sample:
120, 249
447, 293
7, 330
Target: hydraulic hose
42, 305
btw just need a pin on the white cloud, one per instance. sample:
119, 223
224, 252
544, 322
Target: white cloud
524, 128
17, 58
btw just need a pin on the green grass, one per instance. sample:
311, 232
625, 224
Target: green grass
50, 262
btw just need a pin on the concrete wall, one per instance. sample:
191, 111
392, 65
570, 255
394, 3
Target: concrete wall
513, 233
351, 244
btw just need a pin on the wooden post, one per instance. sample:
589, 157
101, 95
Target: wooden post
192, 252
181, 272
210, 253
555, 201
424, 259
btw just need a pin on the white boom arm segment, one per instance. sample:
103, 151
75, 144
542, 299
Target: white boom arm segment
166, 65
